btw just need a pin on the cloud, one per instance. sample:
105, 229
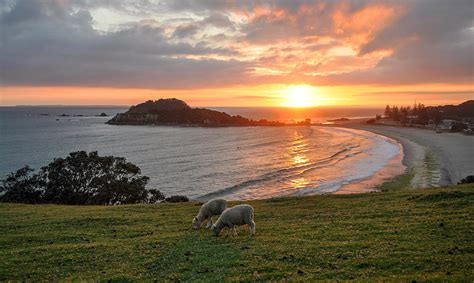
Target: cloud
185, 31
46, 44
432, 42
214, 43
420, 93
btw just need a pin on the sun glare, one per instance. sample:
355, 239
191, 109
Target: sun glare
300, 96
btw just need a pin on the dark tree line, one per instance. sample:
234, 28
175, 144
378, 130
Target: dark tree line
418, 114
421, 114
80, 178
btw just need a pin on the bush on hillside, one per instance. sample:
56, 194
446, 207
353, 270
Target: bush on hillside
21, 187
458, 127
467, 180
177, 198
155, 196
80, 178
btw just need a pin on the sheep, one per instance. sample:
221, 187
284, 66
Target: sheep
238, 215
209, 209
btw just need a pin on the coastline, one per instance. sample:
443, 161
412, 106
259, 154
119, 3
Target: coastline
417, 159
395, 167
432, 159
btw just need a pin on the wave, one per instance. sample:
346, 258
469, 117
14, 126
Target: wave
285, 173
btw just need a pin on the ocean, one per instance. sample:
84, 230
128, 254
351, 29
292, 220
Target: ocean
201, 163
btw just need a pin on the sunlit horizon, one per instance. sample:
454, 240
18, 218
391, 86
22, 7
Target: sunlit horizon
284, 96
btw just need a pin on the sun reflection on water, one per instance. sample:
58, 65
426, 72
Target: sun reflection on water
297, 157
299, 183
297, 149
300, 159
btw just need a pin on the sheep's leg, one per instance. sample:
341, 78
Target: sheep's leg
252, 228
234, 231
209, 222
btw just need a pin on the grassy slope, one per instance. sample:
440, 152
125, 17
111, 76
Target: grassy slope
412, 235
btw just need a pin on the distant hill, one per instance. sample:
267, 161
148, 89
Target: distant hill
172, 111
168, 104
423, 115
463, 110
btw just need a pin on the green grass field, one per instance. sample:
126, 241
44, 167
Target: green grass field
402, 235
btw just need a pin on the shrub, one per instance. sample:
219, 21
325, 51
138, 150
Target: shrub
177, 198
467, 180
80, 178
458, 127
155, 196
21, 187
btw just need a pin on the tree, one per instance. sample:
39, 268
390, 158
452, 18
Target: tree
87, 178
155, 196
423, 117
458, 127
395, 113
80, 178
437, 117
21, 187
388, 111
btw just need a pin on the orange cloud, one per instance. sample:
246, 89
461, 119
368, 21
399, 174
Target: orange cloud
360, 27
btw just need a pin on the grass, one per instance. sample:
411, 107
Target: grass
398, 236
398, 183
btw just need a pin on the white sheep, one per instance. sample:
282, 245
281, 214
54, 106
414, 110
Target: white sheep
238, 215
209, 209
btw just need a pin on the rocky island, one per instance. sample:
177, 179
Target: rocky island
172, 111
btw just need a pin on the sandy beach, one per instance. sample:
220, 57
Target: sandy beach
436, 159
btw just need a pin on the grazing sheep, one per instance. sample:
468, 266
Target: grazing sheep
209, 209
238, 215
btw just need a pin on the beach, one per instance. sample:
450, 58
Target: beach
435, 159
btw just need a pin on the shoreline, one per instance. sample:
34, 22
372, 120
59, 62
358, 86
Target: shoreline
415, 159
431, 158
391, 170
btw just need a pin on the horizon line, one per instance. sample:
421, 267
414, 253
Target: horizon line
216, 106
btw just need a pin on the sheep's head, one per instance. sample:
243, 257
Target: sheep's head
215, 230
196, 223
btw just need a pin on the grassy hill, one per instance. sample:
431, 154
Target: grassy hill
407, 235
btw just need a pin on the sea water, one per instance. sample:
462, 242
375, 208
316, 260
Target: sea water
201, 163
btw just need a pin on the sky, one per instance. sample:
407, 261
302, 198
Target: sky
293, 53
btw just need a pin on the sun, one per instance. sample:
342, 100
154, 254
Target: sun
299, 96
